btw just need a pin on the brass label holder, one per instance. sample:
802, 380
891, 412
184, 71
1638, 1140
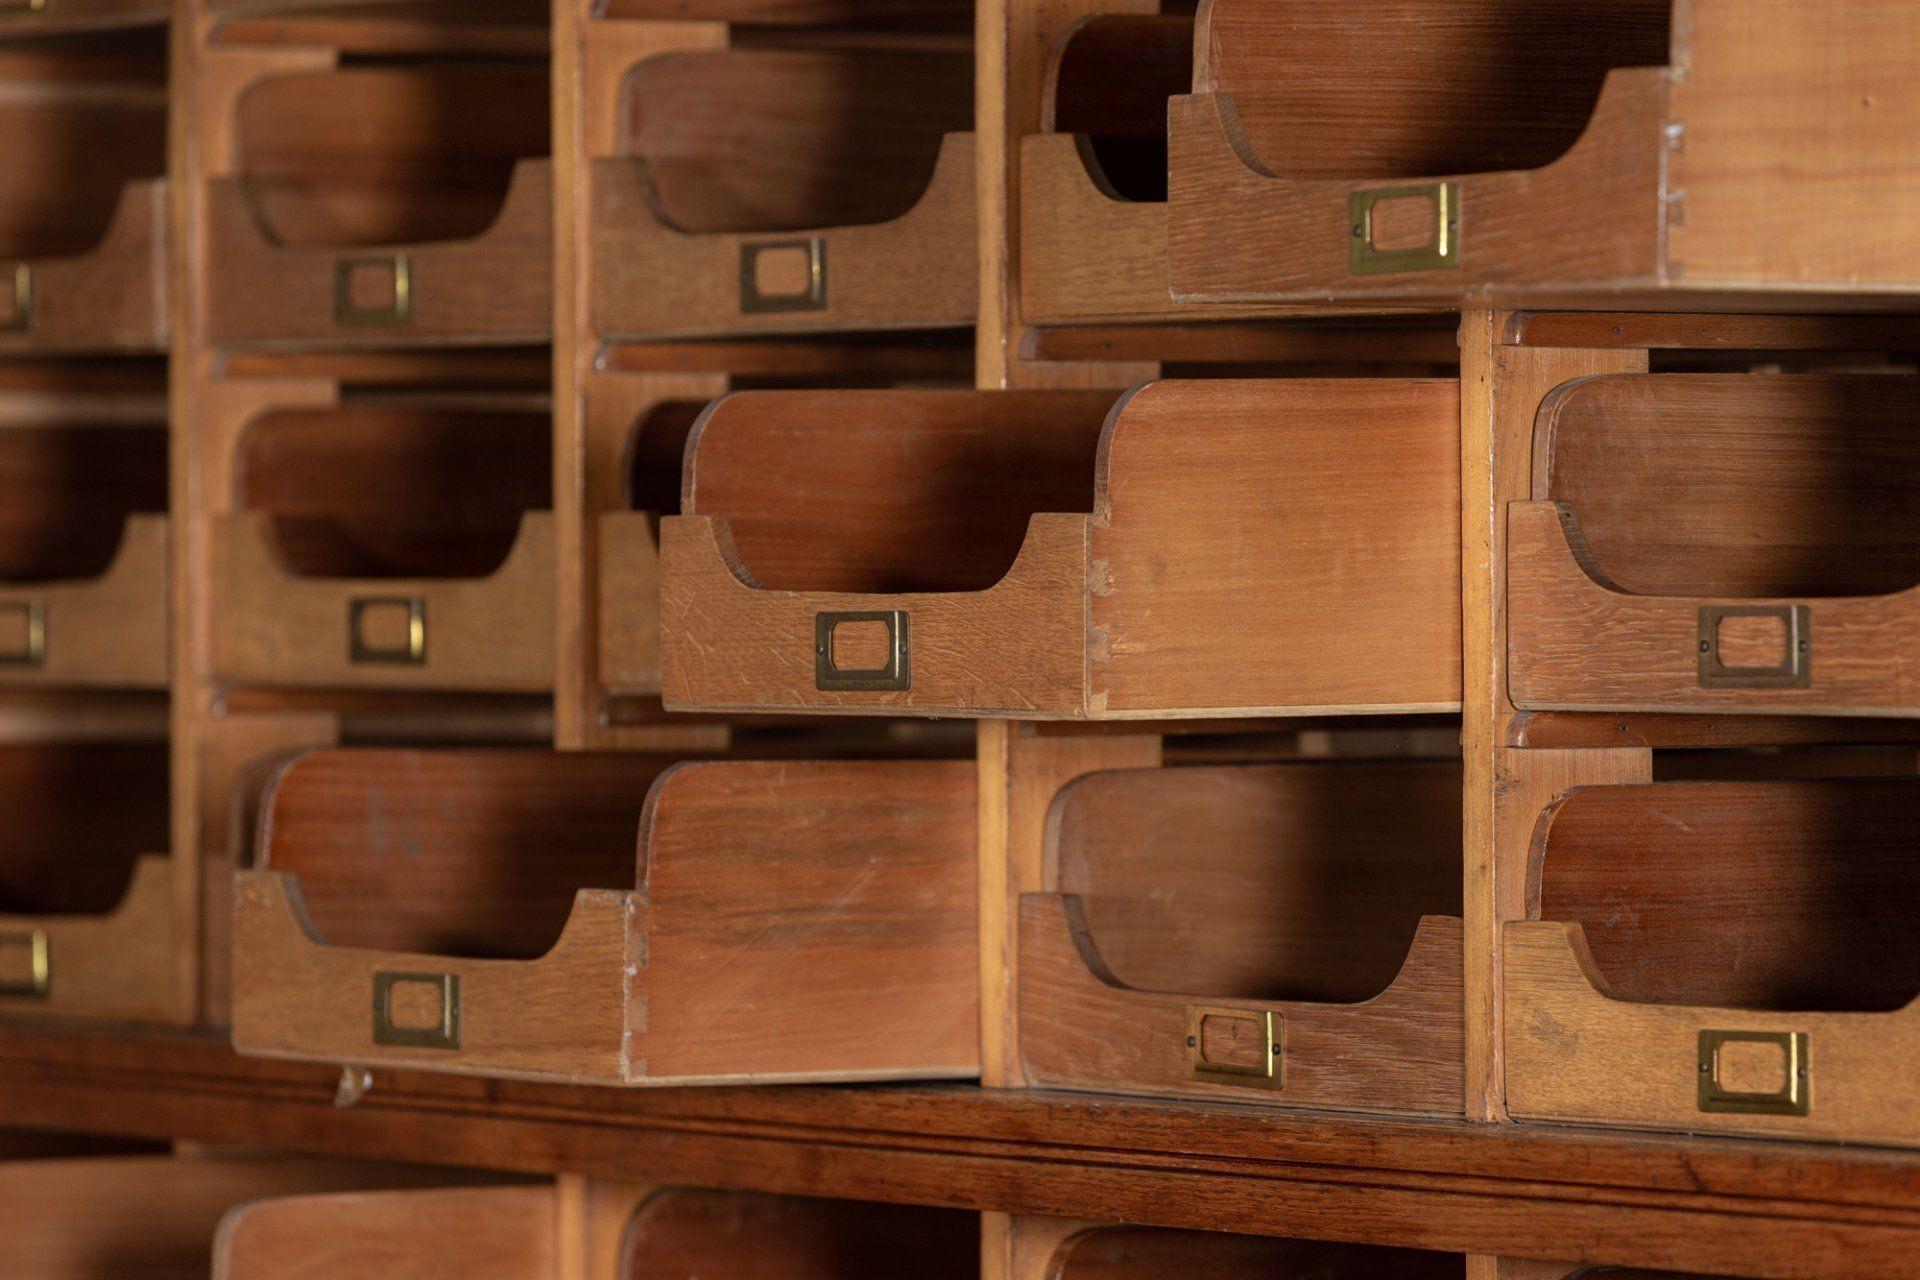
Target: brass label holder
39, 980
33, 619
1795, 669
812, 296
1440, 253
21, 318
895, 674
20, 8
443, 1034
1267, 1071
350, 313
1791, 1099
412, 652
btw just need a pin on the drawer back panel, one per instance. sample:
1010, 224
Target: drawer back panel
66, 491
745, 1236
1152, 1253
1109, 78
77, 816
1783, 895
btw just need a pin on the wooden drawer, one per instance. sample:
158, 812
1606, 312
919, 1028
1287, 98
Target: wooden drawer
51, 17
89, 910
394, 204
397, 543
926, 15
781, 921
1061, 1249
83, 540
1070, 555
154, 1217
1253, 933
787, 189
1724, 543
620, 1232
1721, 956
1745, 154
83, 200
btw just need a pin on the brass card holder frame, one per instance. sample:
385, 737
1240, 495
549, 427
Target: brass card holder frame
755, 302
445, 1034
398, 312
20, 8
39, 980
893, 675
1795, 670
33, 615
21, 318
1268, 1072
1439, 254
413, 653
1791, 1099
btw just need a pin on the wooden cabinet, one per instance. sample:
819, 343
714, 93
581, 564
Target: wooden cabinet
1070, 555
1727, 543
614, 919
1720, 154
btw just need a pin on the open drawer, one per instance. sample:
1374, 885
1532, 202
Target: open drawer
1276, 934
1057, 1249
391, 203
1183, 549
809, 188
1641, 153
1720, 542
390, 542
781, 921
89, 913
83, 150
626, 1232
1722, 956
1093, 181
83, 541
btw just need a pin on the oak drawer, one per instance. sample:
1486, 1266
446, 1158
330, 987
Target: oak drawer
1720, 542
1283, 935
1721, 957
1741, 154
1061, 1249
780, 921
1184, 549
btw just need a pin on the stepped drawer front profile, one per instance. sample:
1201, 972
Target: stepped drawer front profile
389, 545
779, 922
88, 907
1184, 549
83, 205
1720, 542
403, 204
1283, 935
1652, 153
1722, 956
83, 546
787, 189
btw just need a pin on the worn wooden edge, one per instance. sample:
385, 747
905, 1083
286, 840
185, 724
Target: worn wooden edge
1774, 1210
127, 601
1679, 331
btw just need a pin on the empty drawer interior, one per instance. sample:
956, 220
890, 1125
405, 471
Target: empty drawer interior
68, 485
929, 15
1108, 80
389, 152
396, 489
680, 1233
1154, 1253
78, 818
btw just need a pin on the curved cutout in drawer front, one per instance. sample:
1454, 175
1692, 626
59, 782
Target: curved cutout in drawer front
796, 190
479, 1233
781, 922
1158, 1253
1725, 956
83, 212
402, 205
83, 550
1286, 935
397, 545
1187, 549
1093, 182
1724, 543
87, 910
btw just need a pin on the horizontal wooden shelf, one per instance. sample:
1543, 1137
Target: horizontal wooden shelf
1726, 543
1771, 1210
1640, 155
1070, 555
806, 190
1286, 935
1721, 956
610, 918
